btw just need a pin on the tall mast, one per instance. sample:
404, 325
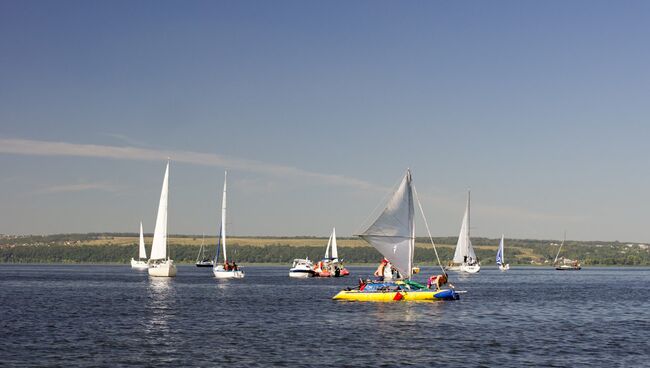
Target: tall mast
558, 251
223, 217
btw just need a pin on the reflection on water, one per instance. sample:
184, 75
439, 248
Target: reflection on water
160, 305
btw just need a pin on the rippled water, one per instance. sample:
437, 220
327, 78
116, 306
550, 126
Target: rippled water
114, 316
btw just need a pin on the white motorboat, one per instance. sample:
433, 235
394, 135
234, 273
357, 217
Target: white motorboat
302, 268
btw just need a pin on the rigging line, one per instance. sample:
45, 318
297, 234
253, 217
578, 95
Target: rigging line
427, 227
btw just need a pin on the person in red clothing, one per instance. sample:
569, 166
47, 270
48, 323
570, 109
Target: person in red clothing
379, 273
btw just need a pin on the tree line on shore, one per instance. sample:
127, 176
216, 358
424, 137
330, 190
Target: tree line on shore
71, 249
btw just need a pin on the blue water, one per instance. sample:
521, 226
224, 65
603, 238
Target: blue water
112, 316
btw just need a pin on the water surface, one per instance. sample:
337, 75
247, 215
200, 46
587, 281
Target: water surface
71, 315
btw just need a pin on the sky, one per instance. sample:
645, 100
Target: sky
317, 108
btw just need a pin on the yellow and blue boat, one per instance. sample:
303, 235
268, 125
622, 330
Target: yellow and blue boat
393, 235
395, 291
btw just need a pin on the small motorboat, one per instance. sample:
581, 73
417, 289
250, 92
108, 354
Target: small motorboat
302, 268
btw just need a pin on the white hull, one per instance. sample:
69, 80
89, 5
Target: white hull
504, 267
470, 268
475, 268
221, 273
139, 265
300, 275
165, 268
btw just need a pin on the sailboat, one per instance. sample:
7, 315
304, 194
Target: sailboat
501, 262
141, 262
393, 235
201, 259
160, 264
465, 259
220, 271
331, 266
566, 264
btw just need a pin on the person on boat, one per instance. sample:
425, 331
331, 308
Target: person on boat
226, 266
234, 266
437, 281
379, 273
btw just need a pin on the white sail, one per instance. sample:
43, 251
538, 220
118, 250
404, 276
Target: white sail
393, 233
223, 217
159, 247
335, 251
500, 258
327, 250
464, 245
143, 251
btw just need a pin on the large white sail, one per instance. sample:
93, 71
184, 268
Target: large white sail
393, 233
143, 251
223, 217
464, 245
335, 251
159, 247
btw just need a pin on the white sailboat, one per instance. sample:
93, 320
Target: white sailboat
141, 262
331, 266
160, 264
501, 262
219, 270
566, 264
465, 259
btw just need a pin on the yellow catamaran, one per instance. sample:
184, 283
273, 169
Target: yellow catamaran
393, 235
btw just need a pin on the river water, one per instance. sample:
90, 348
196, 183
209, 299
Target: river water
112, 316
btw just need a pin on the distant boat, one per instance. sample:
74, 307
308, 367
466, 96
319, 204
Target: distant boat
565, 264
302, 268
501, 262
331, 266
220, 270
393, 235
141, 262
201, 259
160, 264
465, 259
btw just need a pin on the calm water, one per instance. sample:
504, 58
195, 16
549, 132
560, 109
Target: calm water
53, 315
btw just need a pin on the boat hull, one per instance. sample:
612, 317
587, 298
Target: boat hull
301, 274
139, 265
578, 268
474, 268
504, 267
223, 274
204, 264
163, 269
396, 296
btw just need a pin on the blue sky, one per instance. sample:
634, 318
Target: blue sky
317, 109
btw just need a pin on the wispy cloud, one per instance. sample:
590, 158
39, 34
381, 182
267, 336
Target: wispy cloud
48, 148
81, 187
126, 139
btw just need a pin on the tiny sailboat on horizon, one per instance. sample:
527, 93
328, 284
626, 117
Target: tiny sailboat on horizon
141, 263
465, 259
503, 266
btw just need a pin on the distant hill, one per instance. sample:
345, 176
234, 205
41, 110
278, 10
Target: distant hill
120, 247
